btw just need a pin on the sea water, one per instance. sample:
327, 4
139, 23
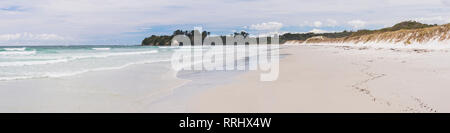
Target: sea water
29, 62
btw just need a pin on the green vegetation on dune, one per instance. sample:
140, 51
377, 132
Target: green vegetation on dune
406, 25
304, 36
405, 33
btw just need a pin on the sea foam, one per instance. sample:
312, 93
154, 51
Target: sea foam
62, 60
72, 73
26, 63
15, 49
11, 52
59, 61
104, 49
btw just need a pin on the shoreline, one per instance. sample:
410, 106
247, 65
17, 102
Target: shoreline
104, 90
101, 90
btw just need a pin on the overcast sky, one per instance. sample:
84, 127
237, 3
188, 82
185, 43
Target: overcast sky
43, 22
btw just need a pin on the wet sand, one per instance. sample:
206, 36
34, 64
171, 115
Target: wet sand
132, 89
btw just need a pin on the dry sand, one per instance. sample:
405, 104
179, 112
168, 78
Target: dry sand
339, 79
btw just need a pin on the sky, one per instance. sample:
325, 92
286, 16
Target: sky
127, 22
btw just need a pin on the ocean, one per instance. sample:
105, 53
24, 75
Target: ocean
31, 62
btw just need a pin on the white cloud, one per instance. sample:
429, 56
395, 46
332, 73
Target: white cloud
433, 20
446, 2
267, 34
317, 24
269, 26
356, 24
304, 23
30, 37
319, 31
34, 39
331, 23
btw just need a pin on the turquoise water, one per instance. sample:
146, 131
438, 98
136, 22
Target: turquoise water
56, 61
29, 62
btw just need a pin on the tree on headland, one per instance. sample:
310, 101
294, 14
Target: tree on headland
242, 33
166, 39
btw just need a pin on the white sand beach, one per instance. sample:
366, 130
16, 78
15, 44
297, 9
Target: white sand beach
339, 79
313, 78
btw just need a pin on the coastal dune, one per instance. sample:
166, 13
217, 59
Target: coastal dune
404, 37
